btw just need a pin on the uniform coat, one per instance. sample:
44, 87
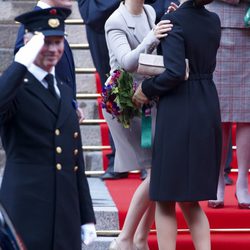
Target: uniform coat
186, 153
232, 74
65, 68
44, 188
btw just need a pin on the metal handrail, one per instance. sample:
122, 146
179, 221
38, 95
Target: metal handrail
85, 70
115, 233
87, 96
74, 21
93, 121
79, 46
95, 148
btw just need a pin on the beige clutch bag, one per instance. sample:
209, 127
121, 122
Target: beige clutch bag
152, 65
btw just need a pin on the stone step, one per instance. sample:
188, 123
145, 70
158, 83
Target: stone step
101, 243
105, 211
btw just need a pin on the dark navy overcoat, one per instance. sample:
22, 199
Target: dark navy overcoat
44, 187
187, 146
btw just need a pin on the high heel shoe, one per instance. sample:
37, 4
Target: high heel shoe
114, 245
242, 205
215, 204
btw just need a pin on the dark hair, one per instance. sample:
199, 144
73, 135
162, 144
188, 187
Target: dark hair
200, 3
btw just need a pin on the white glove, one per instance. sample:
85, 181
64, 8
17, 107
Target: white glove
88, 233
28, 53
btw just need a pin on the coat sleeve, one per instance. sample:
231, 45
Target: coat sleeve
96, 12
85, 201
173, 49
118, 43
10, 82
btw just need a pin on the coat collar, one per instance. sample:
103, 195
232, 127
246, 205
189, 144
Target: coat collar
190, 3
36, 88
65, 107
131, 22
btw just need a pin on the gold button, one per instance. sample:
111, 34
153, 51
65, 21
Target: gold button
75, 151
58, 166
75, 134
75, 168
57, 132
59, 150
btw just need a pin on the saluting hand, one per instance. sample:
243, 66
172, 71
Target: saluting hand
28, 53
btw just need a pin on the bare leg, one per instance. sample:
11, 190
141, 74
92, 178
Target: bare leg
166, 225
226, 129
243, 156
138, 206
198, 224
143, 229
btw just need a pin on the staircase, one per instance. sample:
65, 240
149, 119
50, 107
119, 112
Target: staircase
234, 235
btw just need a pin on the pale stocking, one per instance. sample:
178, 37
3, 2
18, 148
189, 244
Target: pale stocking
166, 226
138, 206
226, 130
243, 157
198, 224
143, 229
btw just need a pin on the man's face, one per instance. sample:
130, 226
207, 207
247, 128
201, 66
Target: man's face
62, 3
50, 53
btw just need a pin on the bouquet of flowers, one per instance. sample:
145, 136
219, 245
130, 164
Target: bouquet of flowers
117, 97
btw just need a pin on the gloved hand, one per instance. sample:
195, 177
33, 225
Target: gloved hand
28, 53
88, 233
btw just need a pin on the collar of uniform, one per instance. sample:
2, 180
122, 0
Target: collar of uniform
39, 73
43, 5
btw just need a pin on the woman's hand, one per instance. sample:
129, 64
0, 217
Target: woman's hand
139, 98
162, 28
172, 7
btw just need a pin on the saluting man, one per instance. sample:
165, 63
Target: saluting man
44, 188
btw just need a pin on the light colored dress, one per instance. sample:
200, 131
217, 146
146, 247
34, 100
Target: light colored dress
127, 36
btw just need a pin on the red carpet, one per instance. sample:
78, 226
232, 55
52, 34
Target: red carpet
230, 217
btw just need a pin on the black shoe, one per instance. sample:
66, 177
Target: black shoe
228, 180
143, 174
113, 176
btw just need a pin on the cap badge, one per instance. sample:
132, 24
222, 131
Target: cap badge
53, 12
53, 22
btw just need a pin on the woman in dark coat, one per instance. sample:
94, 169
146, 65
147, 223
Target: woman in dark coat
187, 146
